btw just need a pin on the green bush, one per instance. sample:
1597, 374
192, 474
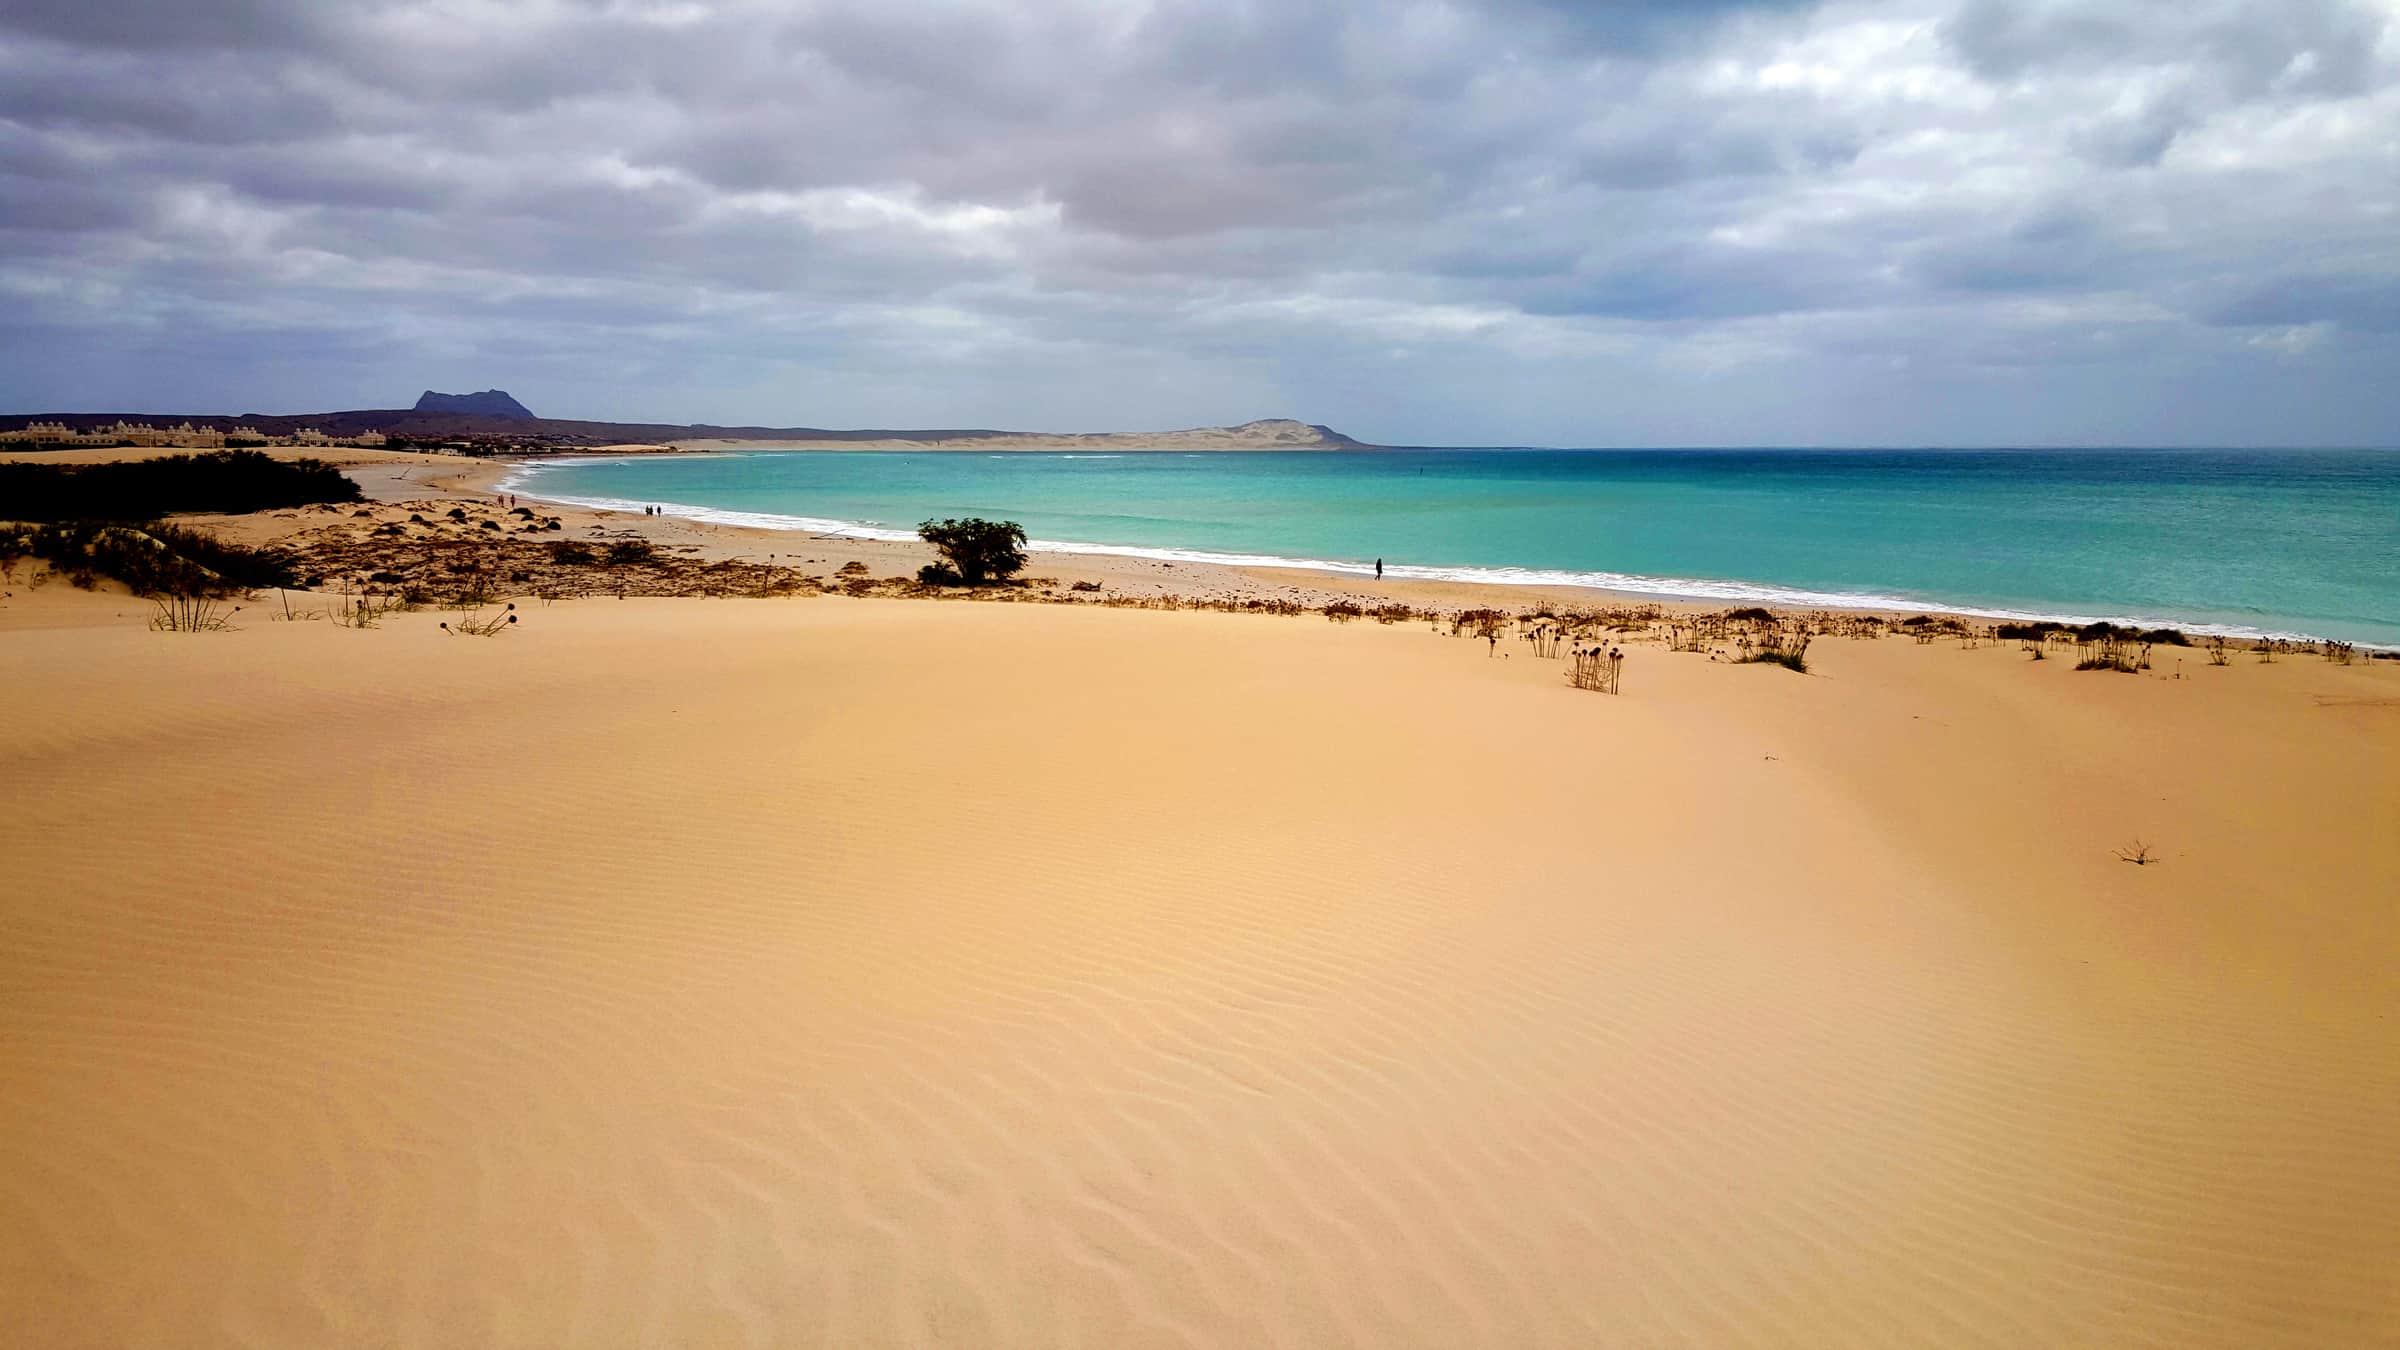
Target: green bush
977, 550
228, 481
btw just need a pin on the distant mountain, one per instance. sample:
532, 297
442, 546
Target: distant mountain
489, 403
1274, 433
436, 419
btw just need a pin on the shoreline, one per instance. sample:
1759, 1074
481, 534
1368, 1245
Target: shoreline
1493, 582
1193, 574
1027, 442
1127, 572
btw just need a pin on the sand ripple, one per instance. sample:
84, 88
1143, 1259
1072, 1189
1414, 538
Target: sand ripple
865, 974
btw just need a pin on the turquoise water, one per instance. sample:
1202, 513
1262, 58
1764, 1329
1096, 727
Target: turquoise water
2294, 542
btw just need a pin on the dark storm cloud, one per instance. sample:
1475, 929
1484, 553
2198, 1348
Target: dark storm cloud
1667, 221
234, 25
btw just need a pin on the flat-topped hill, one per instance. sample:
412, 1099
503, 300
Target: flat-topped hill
489, 403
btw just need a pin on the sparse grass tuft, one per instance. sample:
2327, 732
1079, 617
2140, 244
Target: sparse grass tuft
191, 614
1787, 648
476, 625
2111, 653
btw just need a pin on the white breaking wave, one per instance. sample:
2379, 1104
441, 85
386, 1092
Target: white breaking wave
520, 478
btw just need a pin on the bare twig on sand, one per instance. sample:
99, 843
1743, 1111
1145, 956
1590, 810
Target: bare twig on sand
475, 625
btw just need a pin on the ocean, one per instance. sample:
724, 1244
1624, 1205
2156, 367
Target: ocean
2247, 543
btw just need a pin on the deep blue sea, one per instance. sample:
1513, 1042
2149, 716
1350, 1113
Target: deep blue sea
2247, 542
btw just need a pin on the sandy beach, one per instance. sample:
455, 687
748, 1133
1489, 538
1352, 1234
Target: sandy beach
833, 971
1200, 675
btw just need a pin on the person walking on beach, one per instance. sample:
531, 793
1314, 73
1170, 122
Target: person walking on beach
1379, 569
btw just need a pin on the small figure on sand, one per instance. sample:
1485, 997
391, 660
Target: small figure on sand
1379, 569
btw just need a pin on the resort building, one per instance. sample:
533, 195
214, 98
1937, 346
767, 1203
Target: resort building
40, 433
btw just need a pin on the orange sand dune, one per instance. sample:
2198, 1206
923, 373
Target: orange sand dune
863, 973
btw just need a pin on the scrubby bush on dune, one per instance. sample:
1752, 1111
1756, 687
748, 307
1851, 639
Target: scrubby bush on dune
150, 559
227, 481
977, 550
1779, 647
1482, 623
239, 564
2111, 654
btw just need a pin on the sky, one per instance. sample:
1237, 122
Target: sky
1693, 222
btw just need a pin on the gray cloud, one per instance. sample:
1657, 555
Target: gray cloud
2360, 304
2305, 46
1442, 220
